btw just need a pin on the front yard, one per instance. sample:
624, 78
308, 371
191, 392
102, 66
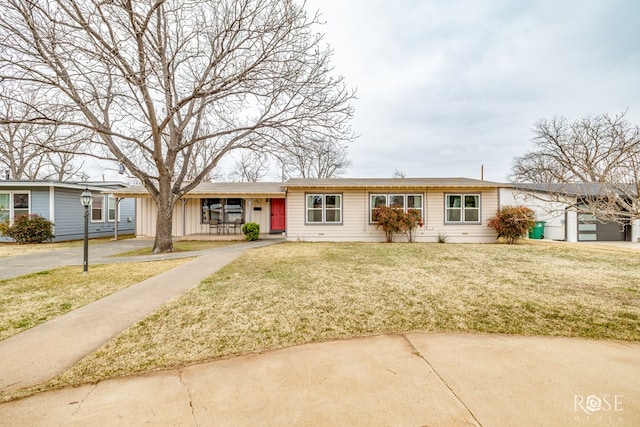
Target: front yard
295, 293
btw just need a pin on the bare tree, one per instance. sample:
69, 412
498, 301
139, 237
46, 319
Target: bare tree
596, 159
196, 160
252, 167
30, 150
153, 78
64, 165
312, 158
22, 145
399, 174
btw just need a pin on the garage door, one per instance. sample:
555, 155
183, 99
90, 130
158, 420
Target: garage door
590, 229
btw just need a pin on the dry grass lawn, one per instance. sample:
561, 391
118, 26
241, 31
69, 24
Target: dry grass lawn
14, 249
29, 300
296, 293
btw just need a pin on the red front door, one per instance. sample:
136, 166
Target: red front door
278, 222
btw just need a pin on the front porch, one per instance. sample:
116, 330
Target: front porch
230, 204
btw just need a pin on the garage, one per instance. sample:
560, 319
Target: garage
591, 229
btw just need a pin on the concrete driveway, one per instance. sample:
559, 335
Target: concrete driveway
416, 379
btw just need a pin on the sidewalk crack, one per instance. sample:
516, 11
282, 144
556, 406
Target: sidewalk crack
193, 413
458, 398
80, 403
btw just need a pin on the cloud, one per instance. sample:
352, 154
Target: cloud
447, 86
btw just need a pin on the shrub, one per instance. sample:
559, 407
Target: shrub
29, 229
394, 221
390, 220
412, 220
512, 222
251, 231
442, 238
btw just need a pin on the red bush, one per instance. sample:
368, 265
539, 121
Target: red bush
512, 222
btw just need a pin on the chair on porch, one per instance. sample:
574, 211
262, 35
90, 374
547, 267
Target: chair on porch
235, 225
214, 224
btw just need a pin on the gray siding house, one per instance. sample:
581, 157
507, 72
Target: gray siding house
59, 202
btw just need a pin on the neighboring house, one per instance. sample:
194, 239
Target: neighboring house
59, 202
566, 216
331, 209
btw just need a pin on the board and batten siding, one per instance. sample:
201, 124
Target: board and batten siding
146, 217
190, 222
355, 224
260, 213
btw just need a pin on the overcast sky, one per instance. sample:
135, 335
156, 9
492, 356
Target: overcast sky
445, 86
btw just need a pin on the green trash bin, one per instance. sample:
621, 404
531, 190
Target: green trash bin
537, 232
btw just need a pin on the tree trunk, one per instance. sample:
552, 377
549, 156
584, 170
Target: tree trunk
164, 224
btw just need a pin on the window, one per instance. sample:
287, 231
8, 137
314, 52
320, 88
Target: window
232, 210
96, 209
5, 209
111, 209
324, 208
462, 208
13, 205
397, 201
20, 204
224, 210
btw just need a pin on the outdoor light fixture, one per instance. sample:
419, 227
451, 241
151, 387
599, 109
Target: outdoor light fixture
86, 199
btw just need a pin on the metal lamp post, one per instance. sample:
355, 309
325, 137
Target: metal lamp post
86, 199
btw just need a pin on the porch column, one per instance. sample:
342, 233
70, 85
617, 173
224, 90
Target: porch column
250, 209
184, 217
117, 218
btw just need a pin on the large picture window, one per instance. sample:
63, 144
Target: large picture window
396, 201
13, 205
224, 210
324, 208
462, 208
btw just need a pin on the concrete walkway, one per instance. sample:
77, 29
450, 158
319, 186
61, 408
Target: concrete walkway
411, 379
38, 354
